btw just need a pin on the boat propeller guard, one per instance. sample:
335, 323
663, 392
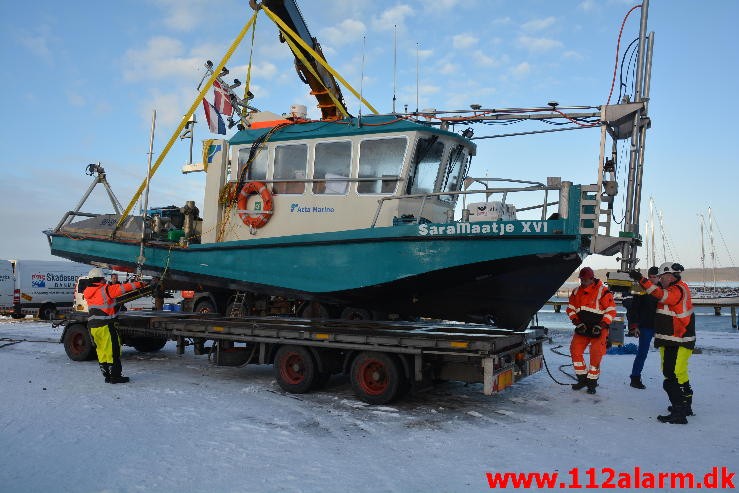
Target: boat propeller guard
260, 216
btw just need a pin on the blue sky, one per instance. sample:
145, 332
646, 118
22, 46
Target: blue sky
81, 79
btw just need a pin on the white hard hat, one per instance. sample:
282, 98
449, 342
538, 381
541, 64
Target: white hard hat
670, 268
95, 272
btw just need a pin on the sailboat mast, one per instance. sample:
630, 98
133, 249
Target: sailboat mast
651, 220
703, 252
713, 249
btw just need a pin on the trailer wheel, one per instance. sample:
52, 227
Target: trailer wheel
295, 369
205, 306
376, 377
78, 343
351, 313
47, 312
148, 344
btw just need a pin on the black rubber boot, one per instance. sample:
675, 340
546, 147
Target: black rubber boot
592, 383
105, 368
677, 416
115, 373
687, 398
637, 383
582, 382
678, 409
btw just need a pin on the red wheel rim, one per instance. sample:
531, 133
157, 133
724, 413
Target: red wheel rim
292, 368
372, 377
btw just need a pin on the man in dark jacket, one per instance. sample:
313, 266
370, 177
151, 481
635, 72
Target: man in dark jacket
641, 312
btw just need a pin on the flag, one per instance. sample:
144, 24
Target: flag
215, 121
221, 99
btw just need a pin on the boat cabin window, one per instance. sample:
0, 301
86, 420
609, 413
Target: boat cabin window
331, 163
257, 170
381, 159
425, 166
450, 182
290, 164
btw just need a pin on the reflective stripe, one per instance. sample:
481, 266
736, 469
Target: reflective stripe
608, 317
665, 294
598, 296
651, 289
594, 310
673, 338
572, 307
670, 313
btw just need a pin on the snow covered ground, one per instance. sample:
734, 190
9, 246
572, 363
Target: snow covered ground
183, 425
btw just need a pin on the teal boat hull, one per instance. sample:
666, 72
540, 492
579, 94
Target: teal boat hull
502, 272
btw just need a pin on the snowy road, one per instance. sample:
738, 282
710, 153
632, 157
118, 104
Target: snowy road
183, 425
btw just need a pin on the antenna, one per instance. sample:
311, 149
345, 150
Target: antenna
417, 76
361, 79
395, 62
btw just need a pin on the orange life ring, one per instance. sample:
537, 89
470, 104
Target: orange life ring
261, 218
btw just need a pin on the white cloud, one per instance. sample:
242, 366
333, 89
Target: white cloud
463, 41
37, 43
183, 15
483, 59
259, 70
572, 55
162, 57
538, 45
347, 31
521, 70
539, 24
75, 99
448, 68
394, 16
587, 5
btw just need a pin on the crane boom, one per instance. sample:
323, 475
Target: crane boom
322, 84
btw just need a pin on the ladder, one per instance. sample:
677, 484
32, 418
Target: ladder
238, 309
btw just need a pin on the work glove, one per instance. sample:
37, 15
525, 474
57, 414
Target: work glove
633, 330
581, 329
635, 275
596, 330
576, 321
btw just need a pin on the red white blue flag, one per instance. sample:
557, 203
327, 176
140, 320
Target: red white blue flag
221, 100
215, 121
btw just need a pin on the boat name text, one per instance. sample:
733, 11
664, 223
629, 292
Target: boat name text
499, 229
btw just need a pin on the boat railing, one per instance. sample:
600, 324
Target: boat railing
562, 187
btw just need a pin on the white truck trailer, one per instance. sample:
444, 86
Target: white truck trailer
41, 288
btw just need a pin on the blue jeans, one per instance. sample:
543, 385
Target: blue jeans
645, 339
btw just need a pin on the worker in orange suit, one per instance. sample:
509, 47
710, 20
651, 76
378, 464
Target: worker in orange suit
591, 309
101, 303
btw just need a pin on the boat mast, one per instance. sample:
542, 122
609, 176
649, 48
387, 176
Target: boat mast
651, 221
713, 249
638, 139
140, 261
703, 252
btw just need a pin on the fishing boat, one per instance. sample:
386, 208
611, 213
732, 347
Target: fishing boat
372, 215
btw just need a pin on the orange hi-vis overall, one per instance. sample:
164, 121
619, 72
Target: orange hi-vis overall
591, 305
102, 307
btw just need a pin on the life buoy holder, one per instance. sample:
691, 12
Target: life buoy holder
255, 219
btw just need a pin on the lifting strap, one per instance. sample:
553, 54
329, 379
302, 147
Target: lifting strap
175, 135
284, 27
